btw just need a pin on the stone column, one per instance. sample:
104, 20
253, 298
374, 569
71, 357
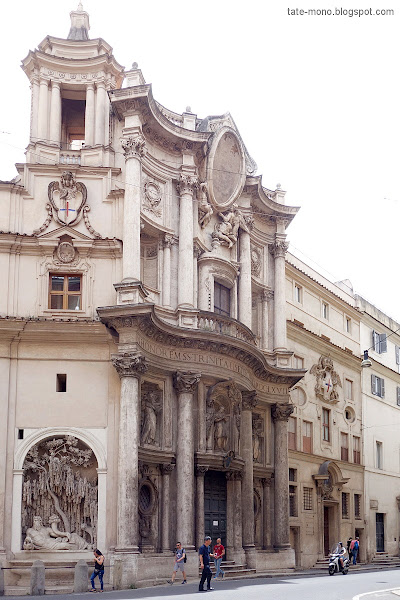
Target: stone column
231, 502
279, 250
245, 312
166, 291
89, 115
166, 470
187, 185
43, 110
34, 109
249, 401
55, 113
185, 384
238, 537
266, 296
129, 367
266, 483
197, 252
99, 119
133, 150
200, 473
106, 118
280, 416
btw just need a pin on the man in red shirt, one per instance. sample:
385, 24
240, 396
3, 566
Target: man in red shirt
219, 552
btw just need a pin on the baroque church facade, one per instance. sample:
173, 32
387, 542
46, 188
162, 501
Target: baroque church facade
145, 363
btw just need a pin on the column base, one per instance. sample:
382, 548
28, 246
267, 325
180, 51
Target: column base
251, 556
280, 547
130, 291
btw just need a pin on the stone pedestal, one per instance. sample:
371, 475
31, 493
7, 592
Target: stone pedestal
37, 587
280, 416
81, 578
185, 383
129, 367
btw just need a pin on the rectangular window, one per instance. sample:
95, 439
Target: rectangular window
348, 325
379, 455
65, 292
307, 437
298, 362
379, 342
345, 505
356, 450
326, 434
292, 433
398, 396
292, 500
325, 311
222, 299
397, 352
61, 382
292, 475
344, 446
357, 506
348, 385
307, 498
298, 295
378, 386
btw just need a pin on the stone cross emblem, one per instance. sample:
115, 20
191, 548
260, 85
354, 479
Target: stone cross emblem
327, 380
67, 199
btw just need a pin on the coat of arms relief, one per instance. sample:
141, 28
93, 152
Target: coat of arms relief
328, 380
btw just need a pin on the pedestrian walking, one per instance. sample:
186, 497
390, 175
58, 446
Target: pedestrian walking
204, 555
349, 552
98, 570
179, 563
219, 552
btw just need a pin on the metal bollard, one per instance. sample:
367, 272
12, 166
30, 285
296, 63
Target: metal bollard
37, 578
1, 580
81, 577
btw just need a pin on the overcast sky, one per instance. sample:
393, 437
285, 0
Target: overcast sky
316, 100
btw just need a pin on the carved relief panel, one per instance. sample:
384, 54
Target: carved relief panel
153, 198
59, 496
223, 416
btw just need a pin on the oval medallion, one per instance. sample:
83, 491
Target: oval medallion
226, 171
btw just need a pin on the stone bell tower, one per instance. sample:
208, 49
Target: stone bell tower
70, 80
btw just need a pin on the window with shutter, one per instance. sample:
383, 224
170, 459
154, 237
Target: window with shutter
382, 388
382, 343
397, 350
398, 396
375, 340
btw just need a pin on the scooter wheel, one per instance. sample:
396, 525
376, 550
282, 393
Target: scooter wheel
331, 570
345, 571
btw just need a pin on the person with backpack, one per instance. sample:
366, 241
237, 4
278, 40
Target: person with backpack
179, 563
354, 546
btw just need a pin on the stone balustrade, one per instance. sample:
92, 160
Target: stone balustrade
209, 321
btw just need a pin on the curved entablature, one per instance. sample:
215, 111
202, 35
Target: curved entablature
264, 202
139, 327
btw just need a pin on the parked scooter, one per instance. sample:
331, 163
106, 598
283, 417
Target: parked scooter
334, 560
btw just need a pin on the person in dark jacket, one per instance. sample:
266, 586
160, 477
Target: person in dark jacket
204, 555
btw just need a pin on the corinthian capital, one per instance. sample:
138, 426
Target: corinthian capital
249, 400
187, 184
129, 364
282, 412
133, 146
186, 381
279, 248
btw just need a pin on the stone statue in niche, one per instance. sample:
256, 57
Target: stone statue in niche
55, 492
226, 233
223, 415
205, 208
327, 380
221, 429
258, 435
151, 408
